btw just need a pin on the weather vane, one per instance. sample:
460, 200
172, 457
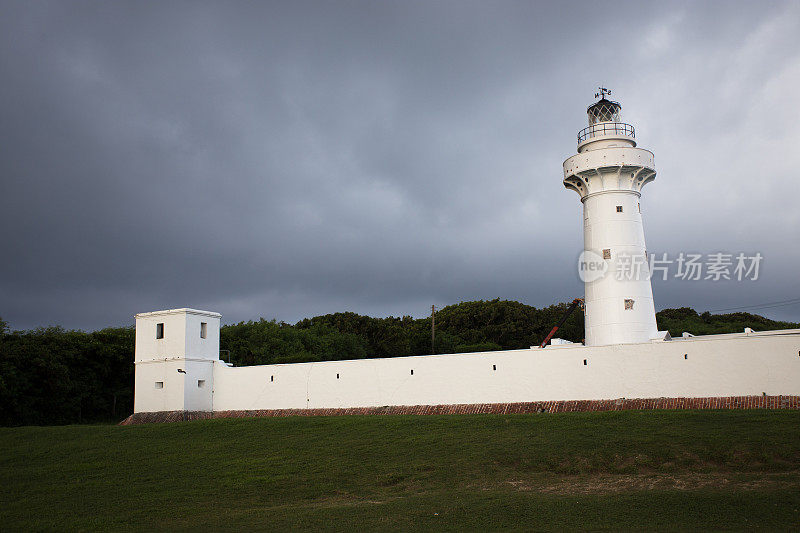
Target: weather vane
603, 92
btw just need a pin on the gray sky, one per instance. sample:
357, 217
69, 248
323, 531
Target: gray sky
284, 160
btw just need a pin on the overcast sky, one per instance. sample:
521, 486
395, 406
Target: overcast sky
284, 160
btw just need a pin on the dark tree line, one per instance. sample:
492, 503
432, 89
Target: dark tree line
687, 319
56, 376
465, 327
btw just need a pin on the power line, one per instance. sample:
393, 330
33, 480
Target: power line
755, 307
781, 303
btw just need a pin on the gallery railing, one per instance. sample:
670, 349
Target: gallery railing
606, 128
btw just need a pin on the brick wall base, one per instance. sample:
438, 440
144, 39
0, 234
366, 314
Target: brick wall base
563, 406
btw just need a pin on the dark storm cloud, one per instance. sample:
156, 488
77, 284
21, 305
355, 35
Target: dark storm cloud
284, 160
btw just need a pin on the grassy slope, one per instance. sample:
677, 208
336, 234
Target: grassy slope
615, 470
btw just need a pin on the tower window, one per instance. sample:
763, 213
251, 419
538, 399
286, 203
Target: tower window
628, 304
412, 371
201, 383
203, 329
619, 209
640, 207
607, 253
160, 330
159, 384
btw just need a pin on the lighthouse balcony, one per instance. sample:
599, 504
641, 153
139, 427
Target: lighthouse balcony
617, 168
606, 129
617, 157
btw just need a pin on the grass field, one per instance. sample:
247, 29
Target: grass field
632, 470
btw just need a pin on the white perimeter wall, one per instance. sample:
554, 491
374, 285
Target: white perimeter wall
718, 365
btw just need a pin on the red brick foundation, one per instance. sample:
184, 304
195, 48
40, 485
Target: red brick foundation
563, 406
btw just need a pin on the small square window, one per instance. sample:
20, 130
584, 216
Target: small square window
203, 330
619, 209
201, 383
160, 330
628, 304
159, 384
607, 253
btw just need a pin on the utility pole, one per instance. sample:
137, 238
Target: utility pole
433, 329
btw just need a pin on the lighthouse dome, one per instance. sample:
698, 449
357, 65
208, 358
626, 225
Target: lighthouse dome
603, 110
605, 127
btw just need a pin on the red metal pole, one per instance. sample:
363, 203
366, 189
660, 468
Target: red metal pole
570, 309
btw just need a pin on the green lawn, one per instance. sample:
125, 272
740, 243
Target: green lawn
664, 470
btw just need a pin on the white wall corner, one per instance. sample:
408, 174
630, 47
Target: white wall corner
661, 336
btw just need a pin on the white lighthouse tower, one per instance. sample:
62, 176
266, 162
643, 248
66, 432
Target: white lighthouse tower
608, 173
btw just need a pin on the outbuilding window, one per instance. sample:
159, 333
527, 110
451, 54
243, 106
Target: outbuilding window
203, 329
160, 330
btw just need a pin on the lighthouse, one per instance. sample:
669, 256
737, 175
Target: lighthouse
609, 172
179, 374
